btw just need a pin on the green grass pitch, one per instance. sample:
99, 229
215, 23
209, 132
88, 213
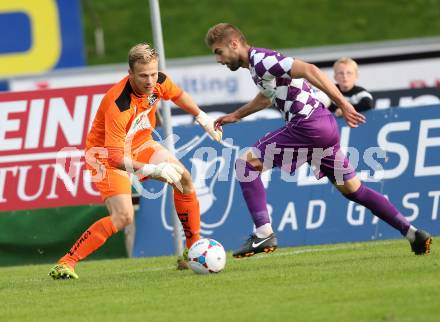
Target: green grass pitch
372, 281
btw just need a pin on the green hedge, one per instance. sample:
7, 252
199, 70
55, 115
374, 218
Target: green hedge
274, 24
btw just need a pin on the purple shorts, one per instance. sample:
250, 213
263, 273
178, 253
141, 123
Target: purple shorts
314, 140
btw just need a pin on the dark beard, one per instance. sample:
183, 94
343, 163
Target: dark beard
236, 65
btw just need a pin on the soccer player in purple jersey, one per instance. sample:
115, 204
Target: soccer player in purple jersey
310, 135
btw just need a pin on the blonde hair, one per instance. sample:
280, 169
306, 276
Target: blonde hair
347, 61
142, 53
223, 31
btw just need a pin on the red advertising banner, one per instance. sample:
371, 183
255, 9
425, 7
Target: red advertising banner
42, 138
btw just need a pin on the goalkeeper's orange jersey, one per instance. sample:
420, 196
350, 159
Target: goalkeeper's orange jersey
124, 118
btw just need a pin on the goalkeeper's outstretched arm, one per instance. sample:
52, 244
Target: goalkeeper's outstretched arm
186, 103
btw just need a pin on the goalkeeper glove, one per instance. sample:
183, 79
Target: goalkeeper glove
170, 172
208, 125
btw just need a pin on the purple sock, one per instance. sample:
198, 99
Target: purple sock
380, 207
253, 192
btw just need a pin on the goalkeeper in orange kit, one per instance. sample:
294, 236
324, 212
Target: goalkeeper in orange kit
120, 142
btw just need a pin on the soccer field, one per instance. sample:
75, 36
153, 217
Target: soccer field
373, 281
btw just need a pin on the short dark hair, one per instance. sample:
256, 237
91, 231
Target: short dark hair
223, 31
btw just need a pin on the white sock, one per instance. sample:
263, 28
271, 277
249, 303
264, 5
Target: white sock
264, 231
411, 234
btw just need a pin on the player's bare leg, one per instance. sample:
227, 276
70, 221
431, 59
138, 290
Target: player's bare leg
248, 170
354, 190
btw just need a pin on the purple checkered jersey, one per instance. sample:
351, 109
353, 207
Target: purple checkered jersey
270, 70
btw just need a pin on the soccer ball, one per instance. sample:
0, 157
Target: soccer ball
207, 256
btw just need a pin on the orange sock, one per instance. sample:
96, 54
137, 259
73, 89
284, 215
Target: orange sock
188, 211
91, 240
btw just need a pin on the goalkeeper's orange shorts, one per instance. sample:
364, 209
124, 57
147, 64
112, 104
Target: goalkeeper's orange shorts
110, 181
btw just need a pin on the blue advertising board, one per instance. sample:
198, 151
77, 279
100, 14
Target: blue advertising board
397, 152
38, 36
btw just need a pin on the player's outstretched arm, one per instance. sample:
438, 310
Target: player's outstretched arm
259, 103
186, 103
316, 77
351, 116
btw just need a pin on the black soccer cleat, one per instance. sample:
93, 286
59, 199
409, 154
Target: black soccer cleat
255, 245
422, 243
